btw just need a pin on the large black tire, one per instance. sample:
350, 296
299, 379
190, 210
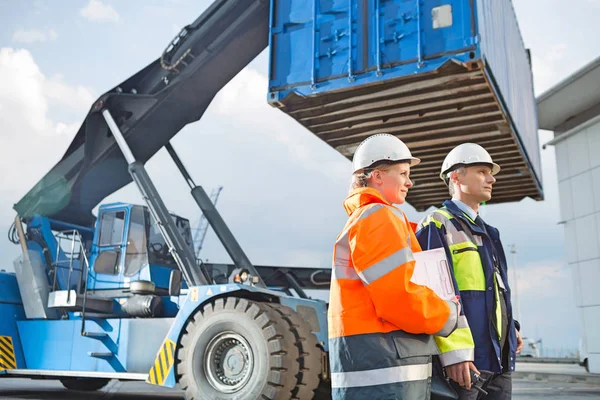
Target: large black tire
84, 384
323, 392
230, 330
310, 353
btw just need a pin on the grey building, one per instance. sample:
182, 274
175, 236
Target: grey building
571, 109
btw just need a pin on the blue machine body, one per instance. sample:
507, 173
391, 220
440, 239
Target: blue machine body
11, 311
130, 345
128, 228
116, 343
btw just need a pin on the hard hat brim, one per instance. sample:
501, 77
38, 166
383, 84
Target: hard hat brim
412, 161
495, 168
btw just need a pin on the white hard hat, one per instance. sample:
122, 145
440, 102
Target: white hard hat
467, 154
381, 146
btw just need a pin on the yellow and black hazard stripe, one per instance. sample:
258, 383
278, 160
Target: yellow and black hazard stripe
7, 353
162, 364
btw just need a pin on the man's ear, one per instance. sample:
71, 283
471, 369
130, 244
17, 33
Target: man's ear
453, 177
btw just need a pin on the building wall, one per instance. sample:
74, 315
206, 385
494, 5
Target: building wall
578, 162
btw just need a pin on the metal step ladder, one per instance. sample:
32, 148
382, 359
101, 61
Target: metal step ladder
103, 337
71, 257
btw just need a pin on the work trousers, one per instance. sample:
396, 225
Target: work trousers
499, 387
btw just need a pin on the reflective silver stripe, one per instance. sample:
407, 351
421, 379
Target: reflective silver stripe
341, 266
382, 376
343, 272
456, 356
386, 265
342, 243
369, 211
397, 212
452, 321
462, 322
401, 215
453, 235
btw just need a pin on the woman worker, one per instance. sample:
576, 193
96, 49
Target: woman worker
380, 323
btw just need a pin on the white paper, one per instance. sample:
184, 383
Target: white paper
432, 270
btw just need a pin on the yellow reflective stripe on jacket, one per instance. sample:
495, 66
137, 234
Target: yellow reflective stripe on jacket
457, 347
445, 213
468, 269
498, 310
430, 219
469, 275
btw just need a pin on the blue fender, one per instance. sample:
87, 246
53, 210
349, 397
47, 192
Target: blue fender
162, 372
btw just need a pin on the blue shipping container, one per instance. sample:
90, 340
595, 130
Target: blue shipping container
435, 73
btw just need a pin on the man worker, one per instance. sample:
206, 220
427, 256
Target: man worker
487, 338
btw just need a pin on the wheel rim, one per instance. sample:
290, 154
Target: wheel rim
228, 362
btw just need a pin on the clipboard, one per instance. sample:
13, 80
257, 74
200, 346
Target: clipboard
432, 270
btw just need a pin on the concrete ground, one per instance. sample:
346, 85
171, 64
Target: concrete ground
533, 381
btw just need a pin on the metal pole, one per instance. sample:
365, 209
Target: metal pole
233, 248
513, 250
112, 125
183, 255
22, 240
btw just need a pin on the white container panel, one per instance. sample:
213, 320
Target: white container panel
582, 193
562, 160
571, 241
589, 283
587, 238
598, 230
596, 185
593, 134
591, 318
579, 156
576, 276
566, 200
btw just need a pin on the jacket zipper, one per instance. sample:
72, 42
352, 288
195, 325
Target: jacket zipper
463, 250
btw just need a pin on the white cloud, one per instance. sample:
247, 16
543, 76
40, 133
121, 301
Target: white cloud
594, 3
244, 98
31, 140
534, 279
34, 35
549, 67
547, 306
158, 10
75, 97
40, 6
556, 52
98, 11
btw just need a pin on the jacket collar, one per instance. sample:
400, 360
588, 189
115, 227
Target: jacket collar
361, 197
466, 209
460, 214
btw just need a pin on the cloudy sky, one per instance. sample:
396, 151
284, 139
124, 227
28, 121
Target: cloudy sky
283, 188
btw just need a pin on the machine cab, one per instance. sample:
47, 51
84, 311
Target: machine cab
128, 247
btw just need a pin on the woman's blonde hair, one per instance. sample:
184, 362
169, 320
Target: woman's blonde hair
361, 179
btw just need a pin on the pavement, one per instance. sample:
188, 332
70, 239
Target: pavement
568, 373
532, 381
529, 390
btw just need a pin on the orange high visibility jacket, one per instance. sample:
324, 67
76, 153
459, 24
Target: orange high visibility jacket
380, 323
